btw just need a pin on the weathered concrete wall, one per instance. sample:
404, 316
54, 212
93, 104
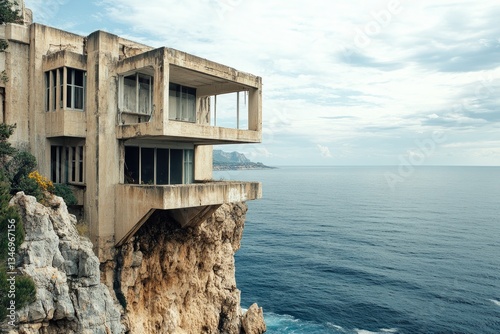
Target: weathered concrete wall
203, 162
16, 64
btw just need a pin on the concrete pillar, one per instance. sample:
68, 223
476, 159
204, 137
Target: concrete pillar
203, 159
103, 151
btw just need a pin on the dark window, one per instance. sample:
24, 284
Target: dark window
158, 165
162, 159
147, 165
131, 164
67, 164
54, 89
176, 166
47, 91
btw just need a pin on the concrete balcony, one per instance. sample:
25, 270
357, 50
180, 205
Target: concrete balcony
199, 134
168, 94
189, 204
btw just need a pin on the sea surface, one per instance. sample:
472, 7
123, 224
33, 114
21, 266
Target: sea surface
342, 250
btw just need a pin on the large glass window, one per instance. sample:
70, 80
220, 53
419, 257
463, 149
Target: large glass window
162, 165
75, 83
182, 103
132, 164
176, 165
188, 166
137, 94
47, 91
67, 163
61, 79
53, 75
146, 165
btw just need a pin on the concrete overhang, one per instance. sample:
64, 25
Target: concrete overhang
64, 58
199, 134
136, 203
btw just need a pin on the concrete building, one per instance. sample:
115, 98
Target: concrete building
129, 127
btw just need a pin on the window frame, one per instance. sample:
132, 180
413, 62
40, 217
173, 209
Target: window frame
187, 176
73, 87
57, 87
184, 96
67, 164
122, 107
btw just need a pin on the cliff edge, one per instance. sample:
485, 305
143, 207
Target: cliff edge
166, 279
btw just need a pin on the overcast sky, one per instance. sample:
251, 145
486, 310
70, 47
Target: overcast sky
346, 82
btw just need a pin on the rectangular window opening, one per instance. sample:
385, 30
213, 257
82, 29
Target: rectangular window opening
182, 103
136, 94
158, 166
67, 164
74, 86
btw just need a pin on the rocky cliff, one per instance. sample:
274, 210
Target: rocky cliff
166, 279
70, 296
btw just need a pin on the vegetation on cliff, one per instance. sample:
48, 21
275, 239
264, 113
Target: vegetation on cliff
11, 230
17, 173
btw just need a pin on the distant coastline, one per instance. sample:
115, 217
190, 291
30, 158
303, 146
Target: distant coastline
239, 166
235, 161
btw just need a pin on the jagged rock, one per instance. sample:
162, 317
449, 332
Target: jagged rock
70, 297
253, 320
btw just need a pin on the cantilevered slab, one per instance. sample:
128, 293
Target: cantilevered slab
137, 202
198, 134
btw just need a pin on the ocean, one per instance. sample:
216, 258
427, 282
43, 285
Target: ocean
344, 250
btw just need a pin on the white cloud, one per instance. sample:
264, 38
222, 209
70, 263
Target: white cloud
44, 10
325, 151
321, 84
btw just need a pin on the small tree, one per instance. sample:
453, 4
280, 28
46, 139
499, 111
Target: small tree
8, 14
6, 148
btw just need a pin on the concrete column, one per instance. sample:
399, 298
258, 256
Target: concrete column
203, 157
102, 147
255, 108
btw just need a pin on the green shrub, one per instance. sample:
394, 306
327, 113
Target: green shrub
19, 167
30, 187
14, 166
25, 287
64, 191
25, 292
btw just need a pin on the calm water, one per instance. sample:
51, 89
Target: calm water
336, 250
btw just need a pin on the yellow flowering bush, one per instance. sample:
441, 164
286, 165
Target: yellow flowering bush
42, 181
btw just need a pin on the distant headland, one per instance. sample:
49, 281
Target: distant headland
235, 161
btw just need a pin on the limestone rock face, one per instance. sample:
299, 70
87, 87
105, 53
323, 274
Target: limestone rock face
253, 320
70, 297
175, 280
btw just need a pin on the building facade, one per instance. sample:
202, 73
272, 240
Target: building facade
129, 127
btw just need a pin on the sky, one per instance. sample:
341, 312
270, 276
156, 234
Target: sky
345, 82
